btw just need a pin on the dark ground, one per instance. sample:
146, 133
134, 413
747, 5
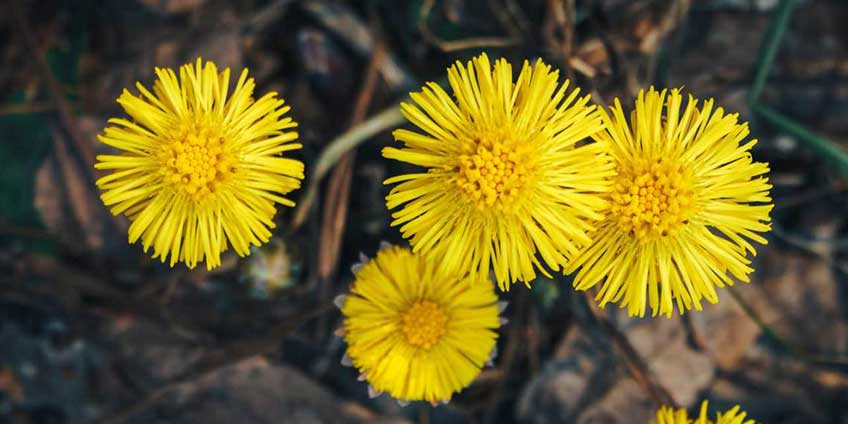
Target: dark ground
91, 329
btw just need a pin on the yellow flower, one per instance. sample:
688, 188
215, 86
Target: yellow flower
686, 200
198, 169
506, 185
414, 330
667, 415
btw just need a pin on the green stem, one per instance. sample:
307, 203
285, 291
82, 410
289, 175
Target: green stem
835, 361
769, 333
823, 147
779, 22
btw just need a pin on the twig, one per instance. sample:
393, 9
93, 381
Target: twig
232, 353
336, 202
635, 364
33, 233
389, 117
338, 193
25, 108
533, 336
423, 414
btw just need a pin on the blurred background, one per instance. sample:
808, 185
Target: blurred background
93, 330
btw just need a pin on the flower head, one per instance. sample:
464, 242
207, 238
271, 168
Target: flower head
687, 199
270, 269
667, 415
199, 168
416, 331
506, 184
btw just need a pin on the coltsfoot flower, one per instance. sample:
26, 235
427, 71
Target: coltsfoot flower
414, 330
667, 415
199, 167
507, 185
687, 199
270, 269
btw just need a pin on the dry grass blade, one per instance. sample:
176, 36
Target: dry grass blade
335, 211
25, 109
338, 192
388, 118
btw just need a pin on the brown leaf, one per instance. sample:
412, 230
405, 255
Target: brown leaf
725, 330
681, 370
799, 297
66, 197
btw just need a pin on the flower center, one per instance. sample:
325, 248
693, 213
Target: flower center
196, 161
424, 324
494, 175
652, 199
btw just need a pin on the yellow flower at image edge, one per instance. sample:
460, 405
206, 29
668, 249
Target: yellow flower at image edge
687, 199
667, 415
415, 331
506, 185
199, 168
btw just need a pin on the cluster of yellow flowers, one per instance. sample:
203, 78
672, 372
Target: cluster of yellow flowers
519, 175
